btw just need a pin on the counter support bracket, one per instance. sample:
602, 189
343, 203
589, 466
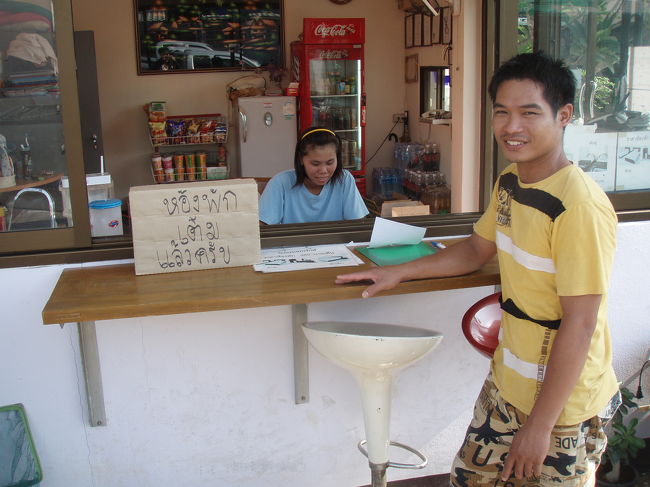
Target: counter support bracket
300, 354
92, 373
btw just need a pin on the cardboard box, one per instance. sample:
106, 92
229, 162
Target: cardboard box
410, 210
200, 225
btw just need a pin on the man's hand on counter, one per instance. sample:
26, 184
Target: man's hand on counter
383, 278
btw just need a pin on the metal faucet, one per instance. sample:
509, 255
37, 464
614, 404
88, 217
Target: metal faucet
50, 202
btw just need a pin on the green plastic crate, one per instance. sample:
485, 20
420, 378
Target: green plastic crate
19, 463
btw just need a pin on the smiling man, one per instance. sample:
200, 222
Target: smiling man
539, 418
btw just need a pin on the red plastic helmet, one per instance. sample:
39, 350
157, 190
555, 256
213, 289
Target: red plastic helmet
481, 324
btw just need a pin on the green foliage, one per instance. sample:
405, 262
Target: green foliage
622, 442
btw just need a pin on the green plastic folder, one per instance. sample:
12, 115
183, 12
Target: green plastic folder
397, 254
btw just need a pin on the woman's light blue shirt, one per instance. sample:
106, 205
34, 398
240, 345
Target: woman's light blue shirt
282, 202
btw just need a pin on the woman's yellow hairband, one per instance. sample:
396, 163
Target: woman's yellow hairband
317, 130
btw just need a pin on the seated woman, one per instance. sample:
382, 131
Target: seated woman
318, 189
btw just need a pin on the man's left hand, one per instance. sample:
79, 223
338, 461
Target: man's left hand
529, 448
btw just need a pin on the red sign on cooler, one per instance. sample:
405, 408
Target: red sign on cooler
333, 31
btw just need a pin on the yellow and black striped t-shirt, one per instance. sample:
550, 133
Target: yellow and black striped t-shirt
554, 238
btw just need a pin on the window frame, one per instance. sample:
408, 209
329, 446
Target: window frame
501, 18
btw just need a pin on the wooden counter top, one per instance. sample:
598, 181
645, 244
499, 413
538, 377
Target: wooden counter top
114, 291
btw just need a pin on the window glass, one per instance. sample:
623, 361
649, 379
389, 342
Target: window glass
607, 45
34, 190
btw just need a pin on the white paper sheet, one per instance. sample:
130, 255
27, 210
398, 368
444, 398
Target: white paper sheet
389, 232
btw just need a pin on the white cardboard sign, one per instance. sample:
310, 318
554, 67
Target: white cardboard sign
201, 225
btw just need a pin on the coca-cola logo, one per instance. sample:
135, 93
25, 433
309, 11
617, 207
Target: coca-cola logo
333, 54
324, 30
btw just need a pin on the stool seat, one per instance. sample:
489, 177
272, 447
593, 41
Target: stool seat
481, 324
373, 352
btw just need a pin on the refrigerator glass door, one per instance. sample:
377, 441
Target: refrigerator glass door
336, 103
267, 135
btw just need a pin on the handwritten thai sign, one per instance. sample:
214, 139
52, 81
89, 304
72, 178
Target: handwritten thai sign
185, 227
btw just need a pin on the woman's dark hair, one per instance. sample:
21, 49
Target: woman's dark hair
557, 80
316, 137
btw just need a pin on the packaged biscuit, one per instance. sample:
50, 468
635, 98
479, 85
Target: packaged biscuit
157, 111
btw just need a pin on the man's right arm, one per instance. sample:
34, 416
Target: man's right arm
462, 258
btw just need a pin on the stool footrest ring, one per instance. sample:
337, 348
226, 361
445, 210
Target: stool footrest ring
404, 447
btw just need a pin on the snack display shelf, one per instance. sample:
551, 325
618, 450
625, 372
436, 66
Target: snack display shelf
180, 130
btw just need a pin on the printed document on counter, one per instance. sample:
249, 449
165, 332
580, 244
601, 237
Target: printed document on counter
283, 259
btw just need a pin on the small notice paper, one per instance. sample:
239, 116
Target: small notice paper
389, 232
298, 258
201, 225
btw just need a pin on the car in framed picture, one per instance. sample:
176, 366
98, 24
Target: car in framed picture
177, 36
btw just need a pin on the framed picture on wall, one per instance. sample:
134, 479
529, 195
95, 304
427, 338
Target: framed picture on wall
426, 30
179, 36
408, 31
417, 30
435, 29
411, 68
445, 27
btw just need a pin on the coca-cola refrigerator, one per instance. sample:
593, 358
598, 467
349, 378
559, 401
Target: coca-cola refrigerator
328, 64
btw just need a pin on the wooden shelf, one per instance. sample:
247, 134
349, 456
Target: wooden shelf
31, 184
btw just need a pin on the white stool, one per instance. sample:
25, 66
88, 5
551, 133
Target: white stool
373, 353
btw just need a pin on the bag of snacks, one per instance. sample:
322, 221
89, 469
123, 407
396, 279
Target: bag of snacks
207, 131
158, 134
193, 127
176, 131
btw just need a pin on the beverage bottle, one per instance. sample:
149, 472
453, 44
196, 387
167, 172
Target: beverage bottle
347, 124
353, 85
335, 77
331, 86
345, 152
340, 123
445, 195
353, 118
322, 119
354, 154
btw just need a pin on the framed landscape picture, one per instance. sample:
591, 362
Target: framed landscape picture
193, 35
417, 30
445, 25
408, 31
435, 29
426, 30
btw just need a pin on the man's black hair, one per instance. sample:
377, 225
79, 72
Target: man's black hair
556, 79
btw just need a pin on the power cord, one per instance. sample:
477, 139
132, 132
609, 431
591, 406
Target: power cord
639, 392
383, 141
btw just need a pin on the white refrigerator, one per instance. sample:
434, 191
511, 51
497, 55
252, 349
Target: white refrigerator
266, 135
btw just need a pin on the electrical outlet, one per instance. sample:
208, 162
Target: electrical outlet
399, 117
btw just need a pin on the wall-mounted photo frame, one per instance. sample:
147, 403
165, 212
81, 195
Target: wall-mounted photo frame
411, 68
426, 30
445, 25
181, 36
435, 29
417, 30
408, 31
